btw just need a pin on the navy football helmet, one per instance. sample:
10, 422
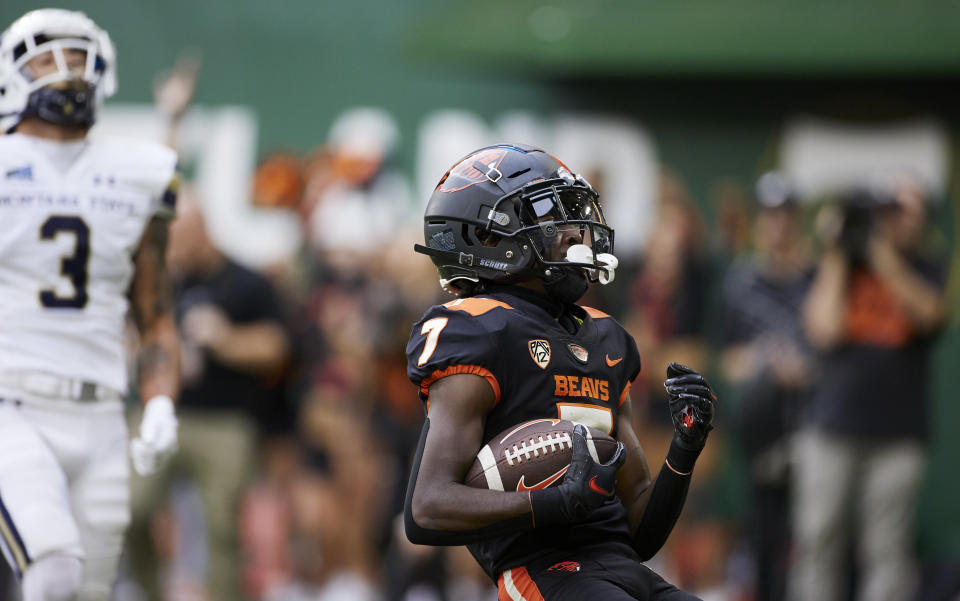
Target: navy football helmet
500, 215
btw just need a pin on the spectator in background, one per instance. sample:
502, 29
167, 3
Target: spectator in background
730, 201
361, 295
173, 92
278, 181
766, 358
873, 312
426, 573
234, 346
668, 295
334, 497
351, 182
666, 315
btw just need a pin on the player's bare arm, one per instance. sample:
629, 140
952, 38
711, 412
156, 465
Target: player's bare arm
824, 307
634, 481
258, 347
458, 405
151, 296
654, 511
922, 301
442, 510
151, 299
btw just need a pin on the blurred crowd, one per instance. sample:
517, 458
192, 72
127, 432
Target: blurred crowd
298, 421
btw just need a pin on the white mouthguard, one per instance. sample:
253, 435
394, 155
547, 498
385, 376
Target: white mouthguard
609, 269
581, 253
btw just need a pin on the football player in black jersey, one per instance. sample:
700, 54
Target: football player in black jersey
518, 238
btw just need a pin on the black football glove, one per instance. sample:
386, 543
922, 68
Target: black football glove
692, 405
586, 485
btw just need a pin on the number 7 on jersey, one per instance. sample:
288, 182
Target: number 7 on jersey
432, 328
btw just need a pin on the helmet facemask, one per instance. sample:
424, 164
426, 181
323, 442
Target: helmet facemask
555, 212
40, 75
63, 73
63, 95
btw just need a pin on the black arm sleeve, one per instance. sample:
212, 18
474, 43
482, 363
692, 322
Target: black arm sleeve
427, 536
666, 500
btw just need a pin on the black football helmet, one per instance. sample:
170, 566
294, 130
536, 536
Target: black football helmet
500, 213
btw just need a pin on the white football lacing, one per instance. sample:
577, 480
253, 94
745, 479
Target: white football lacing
533, 447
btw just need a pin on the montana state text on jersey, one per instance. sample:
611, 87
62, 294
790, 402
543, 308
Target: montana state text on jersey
68, 242
536, 369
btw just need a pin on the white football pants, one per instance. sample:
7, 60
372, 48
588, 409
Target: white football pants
64, 488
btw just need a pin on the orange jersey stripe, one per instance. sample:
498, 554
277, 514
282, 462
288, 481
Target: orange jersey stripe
460, 369
623, 395
595, 313
516, 585
476, 305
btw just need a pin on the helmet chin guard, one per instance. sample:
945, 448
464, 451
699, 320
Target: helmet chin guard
503, 213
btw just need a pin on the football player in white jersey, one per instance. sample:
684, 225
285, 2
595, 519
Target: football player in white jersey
83, 228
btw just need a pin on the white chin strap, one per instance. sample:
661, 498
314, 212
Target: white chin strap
581, 253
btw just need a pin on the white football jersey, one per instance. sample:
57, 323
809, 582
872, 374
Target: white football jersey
68, 230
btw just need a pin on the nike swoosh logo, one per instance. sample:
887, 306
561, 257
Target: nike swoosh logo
612, 362
522, 487
597, 488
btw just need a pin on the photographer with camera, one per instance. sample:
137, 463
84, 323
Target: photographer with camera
872, 313
769, 364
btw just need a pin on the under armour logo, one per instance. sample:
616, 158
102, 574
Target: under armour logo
25, 172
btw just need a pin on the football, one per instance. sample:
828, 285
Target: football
533, 455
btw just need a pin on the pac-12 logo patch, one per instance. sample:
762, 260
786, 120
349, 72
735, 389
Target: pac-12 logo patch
540, 352
579, 353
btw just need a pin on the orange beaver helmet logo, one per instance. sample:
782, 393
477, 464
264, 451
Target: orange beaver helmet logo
465, 173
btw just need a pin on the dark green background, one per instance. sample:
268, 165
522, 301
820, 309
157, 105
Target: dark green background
712, 80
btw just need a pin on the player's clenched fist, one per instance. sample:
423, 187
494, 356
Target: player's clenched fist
692, 404
157, 440
586, 485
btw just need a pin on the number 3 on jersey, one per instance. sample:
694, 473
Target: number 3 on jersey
432, 328
73, 266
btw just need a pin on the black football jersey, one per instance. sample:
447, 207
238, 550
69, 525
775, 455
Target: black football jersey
537, 369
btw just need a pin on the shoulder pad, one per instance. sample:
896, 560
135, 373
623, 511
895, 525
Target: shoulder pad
11, 151
476, 305
595, 313
147, 165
